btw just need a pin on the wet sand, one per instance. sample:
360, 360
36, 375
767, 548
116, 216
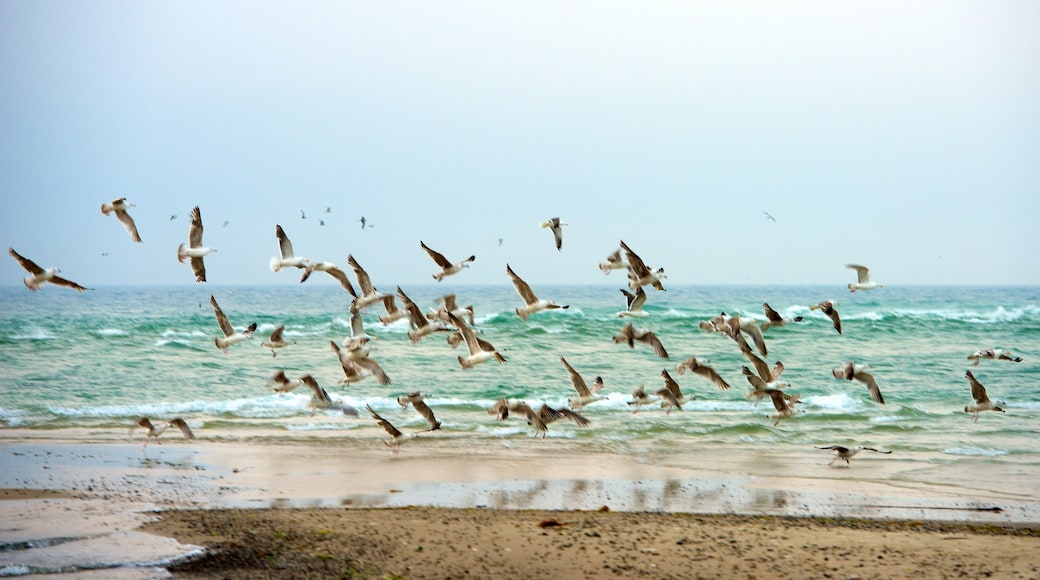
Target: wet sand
231, 509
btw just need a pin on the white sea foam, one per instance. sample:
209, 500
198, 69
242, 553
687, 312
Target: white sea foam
835, 402
110, 332
34, 333
170, 333
975, 451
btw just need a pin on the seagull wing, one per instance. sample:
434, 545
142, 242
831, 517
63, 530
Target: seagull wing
576, 380
634, 261
467, 334
67, 283
437, 256
390, 429
760, 365
655, 343
427, 413
128, 223
978, 392
276, 334
522, 288
195, 231
373, 367
772, 315
222, 319
184, 428
341, 276
712, 375
862, 272
284, 245
362, 276
754, 380
869, 380
671, 385
198, 268
779, 401
26, 263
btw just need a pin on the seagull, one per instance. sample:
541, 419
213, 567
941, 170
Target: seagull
288, 259
320, 398
639, 274
328, 210
451, 306
634, 304
321, 222
173, 216
557, 230
120, 206
154, 432
479, 350
283, 382
532, 303
396, 437
851, 370
551, 415
416, 400
195, 250
276, 341
393, 313
533, 418
783, 403
982, 402
369, 294
359, 368
332, 270
771, 218
586, 394
226, 223
614, 262
774, 318
672, 394
230, 335
737, 325
763, 378
629, 334
40, 276
640, 398
992, 354
847, 453
828, 308
303, 216
447, 268
500, 409
862, 279
421, 325
699, 368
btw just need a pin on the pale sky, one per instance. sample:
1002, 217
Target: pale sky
901, 135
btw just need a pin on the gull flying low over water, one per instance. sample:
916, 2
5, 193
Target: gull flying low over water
369, 294
332, 270
671, 394
447, 268
320, 398
396, 437
613, 262
556, 226
774, 318
630, 334
982, 402
783, 403
862, 279
502, 408
451, 306
231, 336
992, 354
634, 304
358, 367
640, 398
393, 313
286, 259
586, 394
638, 272
532, 303
699, 368
479, 350
194, 249
421, 325
154, 431
120, 206
276, 340
847, 453
763, 378
850, 370
551, 415
416, 400
827, 307
41, 276
283, 384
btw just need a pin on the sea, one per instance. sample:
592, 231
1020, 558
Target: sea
88, 365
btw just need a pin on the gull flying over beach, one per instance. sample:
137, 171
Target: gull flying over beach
231, 336
332, 270
847, 453
276, 340
502, 408
850, 370
447, 268
120, 206
286, 257
41, 276
396, 437
154, 431
827, 307
551, 415
671, 394
358, 367
783, 403
982, 402
479, 350
992, 354
634, 304
639, 274
774, 318
630, 334
283, 384
556, 226
320, 398
194, 249
699, 368
763, 378
586, 394
416, 400
532, 303
613, 262
862, 279
640, 398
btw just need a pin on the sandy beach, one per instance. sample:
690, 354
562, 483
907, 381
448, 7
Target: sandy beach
263, 509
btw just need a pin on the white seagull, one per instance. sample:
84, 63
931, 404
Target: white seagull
613, 262
847, 453
417, 401
120, 206
783, 403
231, 336
451, 306
982, 402
421, 325
774, 318
850, 370
40, 276
992, 354
532, 303
447, 268
286, 259
276, 340
639, 274
640, 398
194, 249
556, 226
283, 383
479, 350
586, 394
369, 294
634, 304
393, 313
862, 279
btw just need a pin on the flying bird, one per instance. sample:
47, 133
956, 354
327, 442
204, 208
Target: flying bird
769, 217
368, 294
41, 276
286, 259
586, 394
982, 402
851, 370
393, 313
783, 403
672, 395
634, 304
364, 223
630, 335
447, 268
195, 250
416, 400
551, 415
283, 384
421, 325
847, 453
276, 340
556, 226
532, 303
450, 305
862, 279
699, 368
479, 350
640, 398
992, 354
332, 270
154, 431
396, 437
639, 274
827, 307
231, 336
120, 206
774, 318
320, 398
613, 262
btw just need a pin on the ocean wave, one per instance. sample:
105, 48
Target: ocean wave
835, 402
265, 407
170, 333
972, 451
34, 333
110, 332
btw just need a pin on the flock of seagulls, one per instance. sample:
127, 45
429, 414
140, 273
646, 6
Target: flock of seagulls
357, 364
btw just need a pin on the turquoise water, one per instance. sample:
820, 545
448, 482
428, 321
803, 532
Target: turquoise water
96, 361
